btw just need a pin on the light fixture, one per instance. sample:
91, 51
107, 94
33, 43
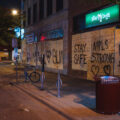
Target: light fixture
14, 12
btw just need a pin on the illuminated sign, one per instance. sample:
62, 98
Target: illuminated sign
19, 33
15, 52
58, 33
101, 17
30, 38
42, 38
14, 43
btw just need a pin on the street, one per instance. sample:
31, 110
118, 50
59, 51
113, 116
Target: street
16, 105
24, 101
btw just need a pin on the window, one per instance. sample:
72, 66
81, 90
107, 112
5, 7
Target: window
78, 23
22, 5
49, 7
41, 9
24, 22
59, 5
29, 16
34, 12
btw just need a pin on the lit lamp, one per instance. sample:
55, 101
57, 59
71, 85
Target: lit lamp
14, 12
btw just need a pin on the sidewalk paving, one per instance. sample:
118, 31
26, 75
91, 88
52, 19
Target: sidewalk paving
77, 100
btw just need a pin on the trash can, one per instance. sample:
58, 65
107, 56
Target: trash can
107, 94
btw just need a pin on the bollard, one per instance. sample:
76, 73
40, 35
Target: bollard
16, 63
26, 76
43, 73
42, 81
59, 84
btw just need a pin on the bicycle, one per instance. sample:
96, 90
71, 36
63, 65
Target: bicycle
33, 76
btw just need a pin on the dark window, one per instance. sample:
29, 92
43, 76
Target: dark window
119, 49
41, 9
34, 12
29, 16
49, 7
59, 5
78, 23
23, 16
22, 5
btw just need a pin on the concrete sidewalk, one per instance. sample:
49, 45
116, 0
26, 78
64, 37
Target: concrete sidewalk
77, 100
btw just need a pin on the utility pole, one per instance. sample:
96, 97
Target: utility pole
21, 25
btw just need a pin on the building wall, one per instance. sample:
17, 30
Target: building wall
94, 52
82, 43
97, 52
58, 20
53, 51
81, 6
117, 53
86, 54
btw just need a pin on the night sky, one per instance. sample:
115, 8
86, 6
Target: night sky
10, 3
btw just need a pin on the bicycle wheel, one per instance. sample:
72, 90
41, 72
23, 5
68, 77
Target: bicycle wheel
34, 77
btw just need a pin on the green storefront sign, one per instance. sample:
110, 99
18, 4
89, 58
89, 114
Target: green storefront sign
101, 17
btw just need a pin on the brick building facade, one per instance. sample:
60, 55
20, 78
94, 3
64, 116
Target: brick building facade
65, 40
94, 50
47, 19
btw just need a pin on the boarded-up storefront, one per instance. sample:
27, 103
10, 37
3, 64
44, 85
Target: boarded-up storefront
30, 49
47, 45
117, 53
31, 57
81, 51
53, 51
97, 52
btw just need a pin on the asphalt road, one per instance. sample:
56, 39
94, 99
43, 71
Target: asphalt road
17, 105
23, 101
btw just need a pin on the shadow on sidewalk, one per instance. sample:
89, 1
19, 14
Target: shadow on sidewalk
82, 90
86, 98
86, 101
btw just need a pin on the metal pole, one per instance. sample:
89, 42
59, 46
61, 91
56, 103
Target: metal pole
59, 81
16, 70
21, 25
58, 84
114, 52
43, 74
36, 53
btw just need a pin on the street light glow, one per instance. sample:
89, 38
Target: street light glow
14, 12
